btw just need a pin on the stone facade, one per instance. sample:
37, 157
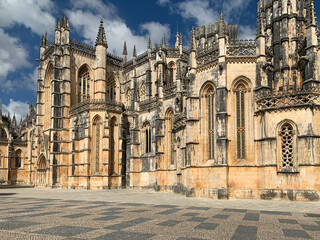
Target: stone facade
227, 118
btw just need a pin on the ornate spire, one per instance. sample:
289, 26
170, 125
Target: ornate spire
58, 24
192, 41
149, 43
125, 52
180, 39
46, 42
221, 25
177, 41
134, 51
63, 20
14, 120
101, 37
163, 40
67, 24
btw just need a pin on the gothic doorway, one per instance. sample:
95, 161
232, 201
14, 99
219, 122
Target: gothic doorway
41, 171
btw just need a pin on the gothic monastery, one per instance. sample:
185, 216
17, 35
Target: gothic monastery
226, 118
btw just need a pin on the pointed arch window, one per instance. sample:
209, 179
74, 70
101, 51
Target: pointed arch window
208, 120
240, 101
147, 138
84, 84
97, 123
286, 148
18, 159
128, 98
111, 89
143, 92
169, 137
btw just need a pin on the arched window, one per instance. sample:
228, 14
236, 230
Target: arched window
208, 120
240, 99
18, 158
111, 89
96, 130
286, 147
143, 92
84, 84
112, 146
128, 98
169, 137
146, 137
170, 75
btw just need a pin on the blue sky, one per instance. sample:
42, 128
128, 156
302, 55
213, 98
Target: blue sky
23, 22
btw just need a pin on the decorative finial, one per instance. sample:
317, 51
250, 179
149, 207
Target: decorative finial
101, 37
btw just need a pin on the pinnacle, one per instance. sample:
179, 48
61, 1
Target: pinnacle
134, 51
125, 52
101, 37
149, 43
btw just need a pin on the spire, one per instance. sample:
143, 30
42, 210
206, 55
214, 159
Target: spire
163, 40
58, 24
149, 43
14, 121
63, 20
101, 37
177, 41
42, 41
180, 39
46, 42
134, 51
31, 107
192, 41
125, 52
221, 25
67, 24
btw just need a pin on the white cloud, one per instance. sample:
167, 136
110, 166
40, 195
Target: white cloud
12, 57
234, 9
33, 14
163, 2
247, 32
86, 23
156, 30
199, 10
18, 108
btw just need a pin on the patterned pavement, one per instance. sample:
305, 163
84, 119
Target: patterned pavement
45, 218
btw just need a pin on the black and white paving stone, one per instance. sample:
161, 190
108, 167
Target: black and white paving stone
46, 218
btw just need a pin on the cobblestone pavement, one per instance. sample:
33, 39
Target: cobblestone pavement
132, 214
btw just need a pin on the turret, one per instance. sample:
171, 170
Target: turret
124, 52
101, 60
